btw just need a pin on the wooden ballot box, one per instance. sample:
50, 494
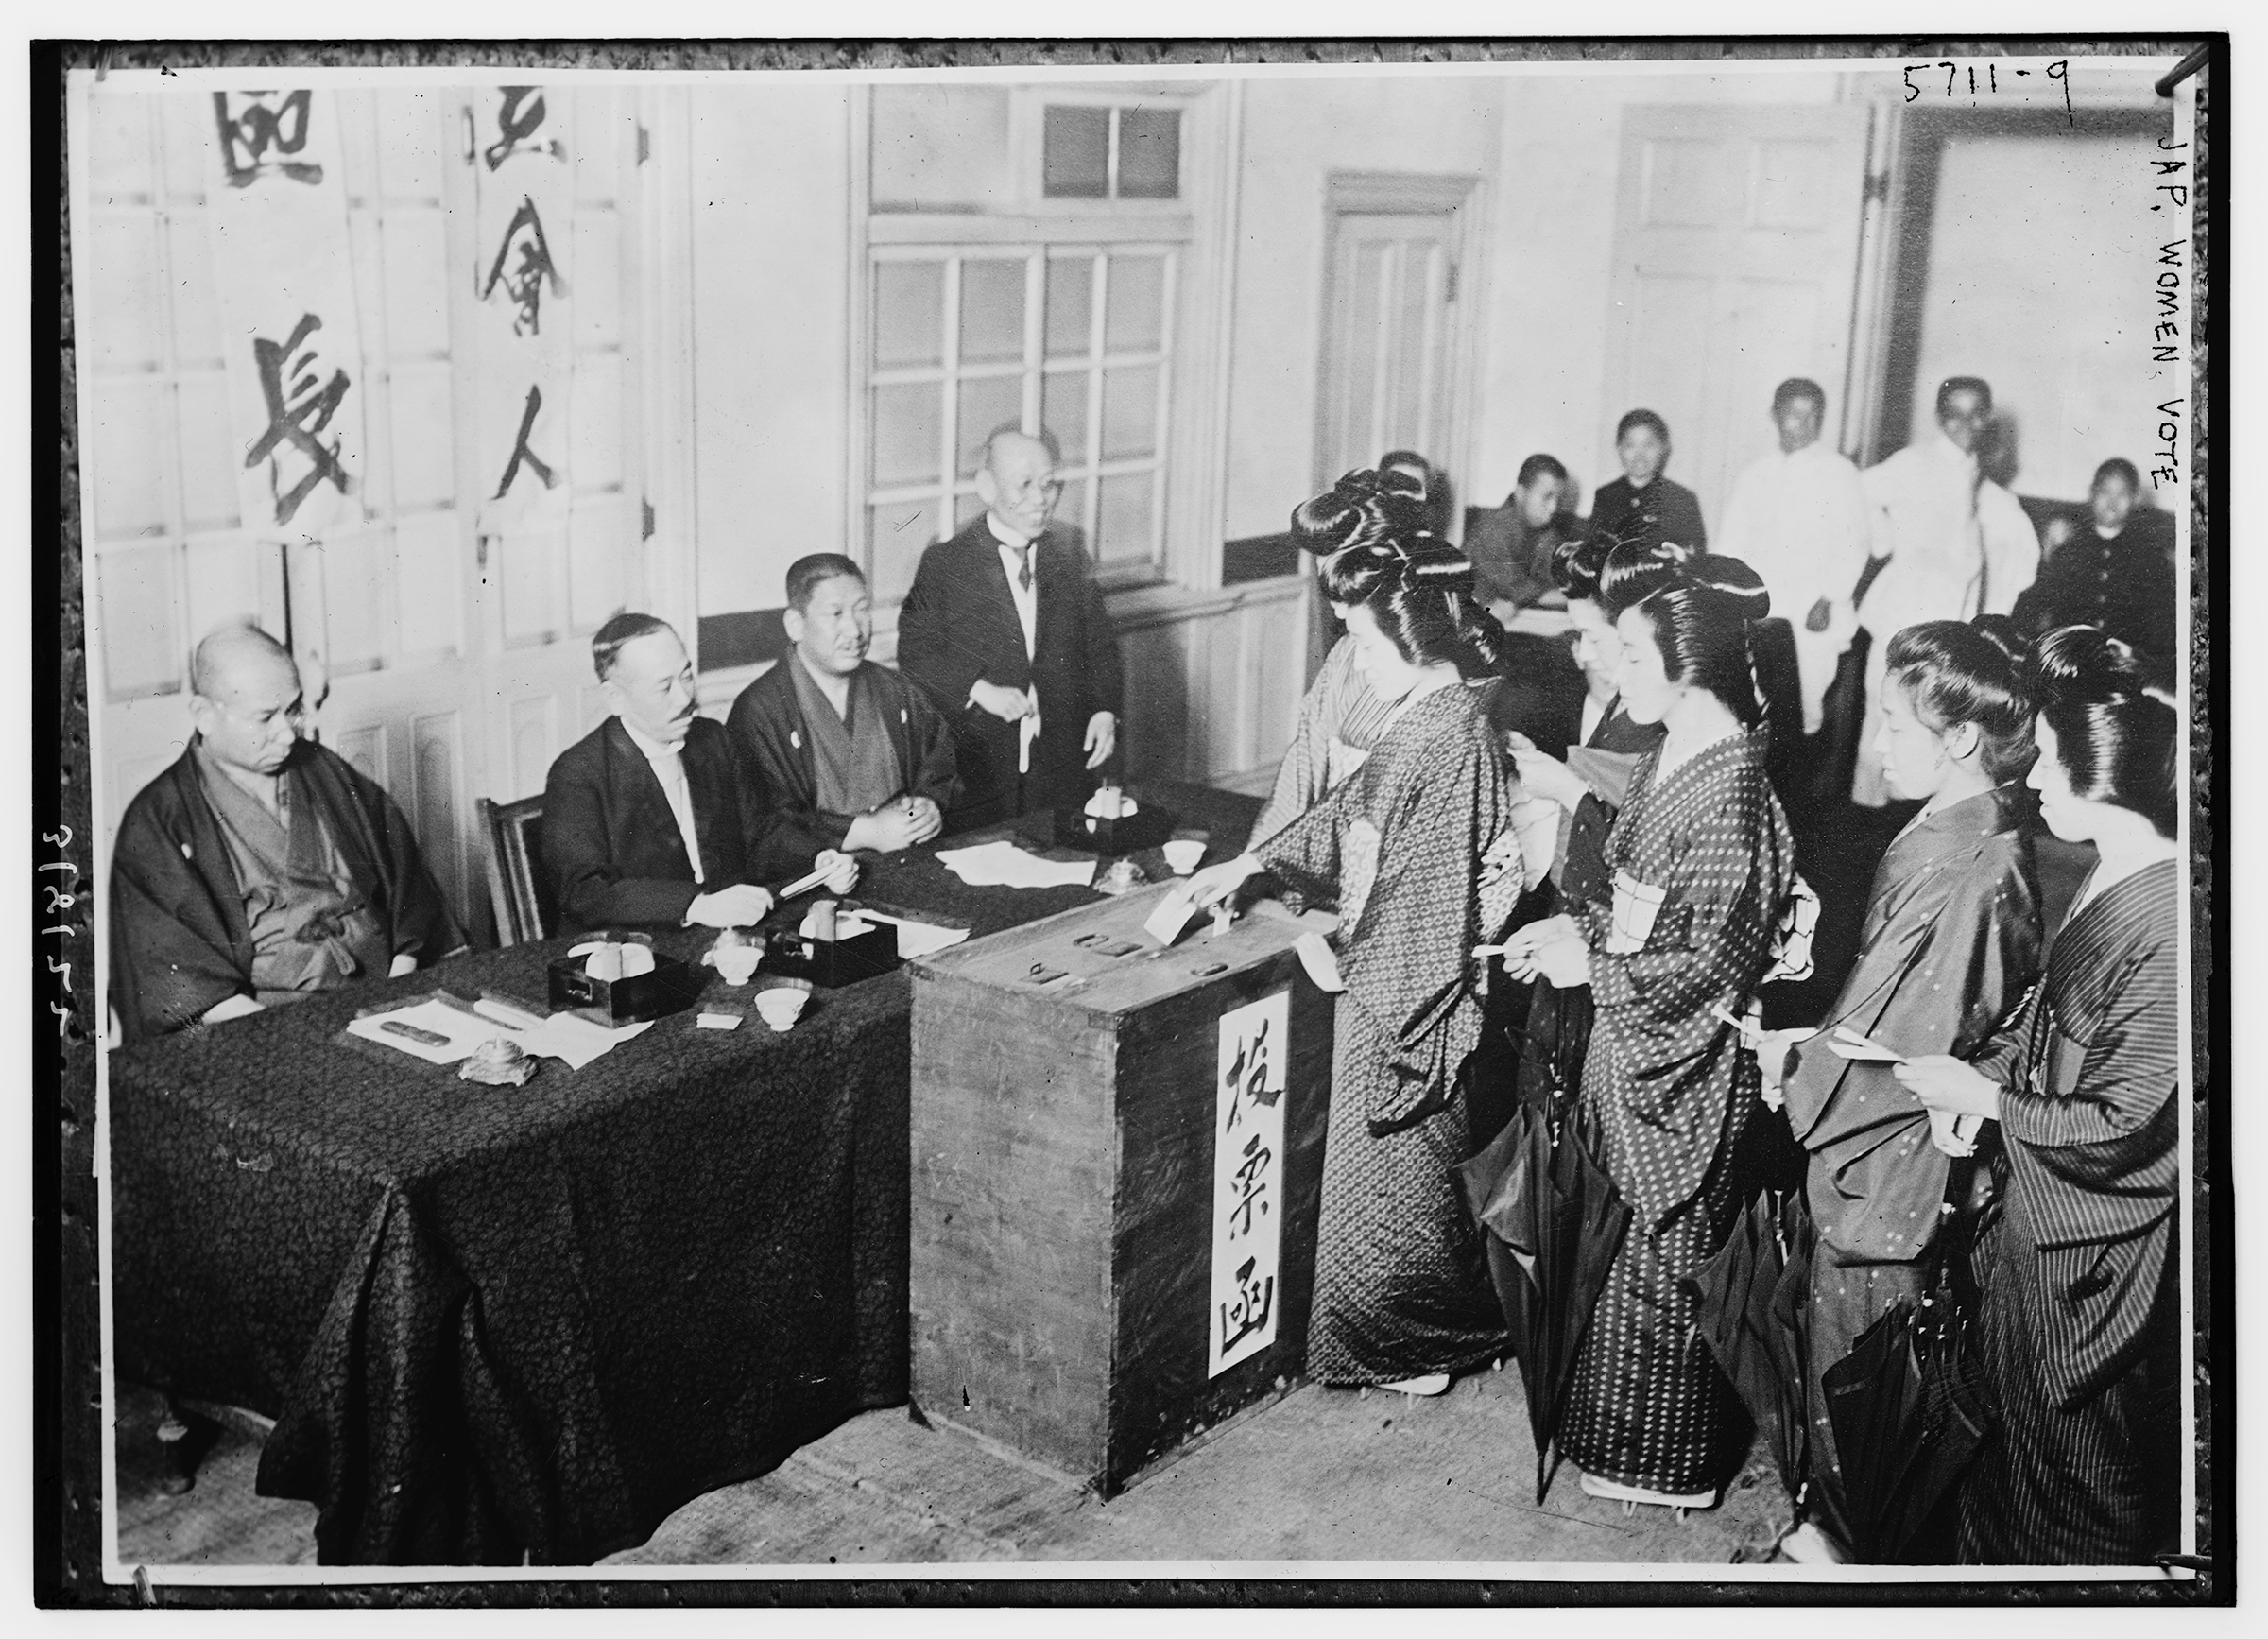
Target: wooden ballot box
1117, 1152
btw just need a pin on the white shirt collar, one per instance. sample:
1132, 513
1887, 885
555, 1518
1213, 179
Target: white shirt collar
655, 751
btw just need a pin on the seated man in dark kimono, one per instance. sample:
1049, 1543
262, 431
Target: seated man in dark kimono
643, 819
839, 752
260, 868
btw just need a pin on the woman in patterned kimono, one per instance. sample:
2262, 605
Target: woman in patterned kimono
1702, 865
1340, 717
1557, 1033
1418, 848
1951, 941
2079, 1326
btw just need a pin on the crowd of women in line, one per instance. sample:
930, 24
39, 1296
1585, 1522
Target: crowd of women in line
1638, 893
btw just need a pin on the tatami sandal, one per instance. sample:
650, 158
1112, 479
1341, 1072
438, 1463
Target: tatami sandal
1631, 1495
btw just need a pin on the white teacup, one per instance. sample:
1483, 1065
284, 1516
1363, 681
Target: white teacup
737, 962
1182, 853
782, 1006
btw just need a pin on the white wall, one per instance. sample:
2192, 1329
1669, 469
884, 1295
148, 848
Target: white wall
1551, 265
771, 184
2043, 253
1295, 132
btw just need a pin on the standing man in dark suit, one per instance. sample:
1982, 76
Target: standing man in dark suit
1005, 632
643, 821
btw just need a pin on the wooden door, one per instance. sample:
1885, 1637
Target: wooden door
1735, 265
1386, 379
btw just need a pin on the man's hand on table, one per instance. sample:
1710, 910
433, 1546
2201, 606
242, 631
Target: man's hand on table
842, 871
403, 963
227, 1007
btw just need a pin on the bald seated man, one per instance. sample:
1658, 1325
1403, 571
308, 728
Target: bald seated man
646, 820
1005, 631
261, 868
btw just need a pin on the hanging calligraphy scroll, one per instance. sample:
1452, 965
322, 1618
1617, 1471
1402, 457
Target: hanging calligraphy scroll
276, 211
524, 184
1247, 1181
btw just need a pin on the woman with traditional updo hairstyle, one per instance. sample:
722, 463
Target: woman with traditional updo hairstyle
1700, 866
1340, 719
2079, 1324
1418, 848
1951, 941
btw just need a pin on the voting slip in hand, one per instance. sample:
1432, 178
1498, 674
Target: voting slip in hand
1320, 961
1173, 913
1847, 1043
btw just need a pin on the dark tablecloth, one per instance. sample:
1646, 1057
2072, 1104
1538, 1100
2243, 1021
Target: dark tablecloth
492, 1322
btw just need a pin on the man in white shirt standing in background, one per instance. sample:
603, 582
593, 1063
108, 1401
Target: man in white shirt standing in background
1954, 544
1799, 518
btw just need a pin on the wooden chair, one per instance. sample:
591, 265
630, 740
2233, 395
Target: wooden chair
518, 887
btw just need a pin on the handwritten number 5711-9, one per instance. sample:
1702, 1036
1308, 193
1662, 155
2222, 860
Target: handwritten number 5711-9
2059, 71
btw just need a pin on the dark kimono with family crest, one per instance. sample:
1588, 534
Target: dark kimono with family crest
1700, 866
2079, 1329
1951, 945
1417, 847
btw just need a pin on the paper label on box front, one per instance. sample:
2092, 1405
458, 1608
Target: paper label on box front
1247, 1181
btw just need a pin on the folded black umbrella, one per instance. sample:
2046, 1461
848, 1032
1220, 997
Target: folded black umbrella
1910, 1409
1555, 1223
1753, 1312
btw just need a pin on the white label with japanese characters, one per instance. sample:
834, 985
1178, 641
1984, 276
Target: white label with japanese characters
1247, 1181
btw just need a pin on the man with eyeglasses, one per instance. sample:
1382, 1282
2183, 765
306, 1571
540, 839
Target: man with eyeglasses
261, 868
1005, 631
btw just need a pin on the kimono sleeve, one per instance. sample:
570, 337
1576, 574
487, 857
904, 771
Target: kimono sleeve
2125, 1082
1305, 772
166, 969
1408, 963
1720, 905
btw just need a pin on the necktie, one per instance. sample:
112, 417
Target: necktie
1024, 575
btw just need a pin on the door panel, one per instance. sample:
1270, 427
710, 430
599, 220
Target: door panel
1736, 263
1385, 371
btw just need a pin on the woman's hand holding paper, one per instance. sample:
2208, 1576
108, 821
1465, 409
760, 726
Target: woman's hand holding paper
1217, 882
1544, 775
1944, 1082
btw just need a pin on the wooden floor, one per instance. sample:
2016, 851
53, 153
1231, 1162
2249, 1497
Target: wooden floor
1320, 1475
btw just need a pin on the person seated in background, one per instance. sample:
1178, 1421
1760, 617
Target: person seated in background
1798, 517
643, 819
2112, 574
261, 868
1511, 546
1005, 629
1642, 506
839, 752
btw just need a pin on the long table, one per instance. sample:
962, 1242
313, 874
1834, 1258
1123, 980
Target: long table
497, 1323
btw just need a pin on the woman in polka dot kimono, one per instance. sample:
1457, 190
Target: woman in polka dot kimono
1950, 944
1701, 866
1418, 848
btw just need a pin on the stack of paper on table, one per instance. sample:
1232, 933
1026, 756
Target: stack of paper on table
1004, 865
561, 1036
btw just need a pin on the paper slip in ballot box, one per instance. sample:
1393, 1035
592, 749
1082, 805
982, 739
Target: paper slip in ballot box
1117, 1151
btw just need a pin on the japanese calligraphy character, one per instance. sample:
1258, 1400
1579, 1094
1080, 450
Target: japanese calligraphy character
517, 120
522, 453
523, 283
1256, 1088
1248, 1312
64, 969
262, 124
1250, 1186
295, 414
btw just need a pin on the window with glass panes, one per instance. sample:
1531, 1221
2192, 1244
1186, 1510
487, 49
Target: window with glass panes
1072, 339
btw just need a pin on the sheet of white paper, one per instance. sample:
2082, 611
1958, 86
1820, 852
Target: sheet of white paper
1172, 915
576, 1041
464, 1031
916, 939
1004, 865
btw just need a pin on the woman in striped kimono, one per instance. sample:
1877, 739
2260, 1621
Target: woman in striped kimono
2078, 1327
1950, 944
1341, 718
1417, 850
1701, 866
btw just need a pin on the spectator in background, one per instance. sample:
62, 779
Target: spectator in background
1642, 506
2112, 575
1511, 545
1798, 517
1951, 544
